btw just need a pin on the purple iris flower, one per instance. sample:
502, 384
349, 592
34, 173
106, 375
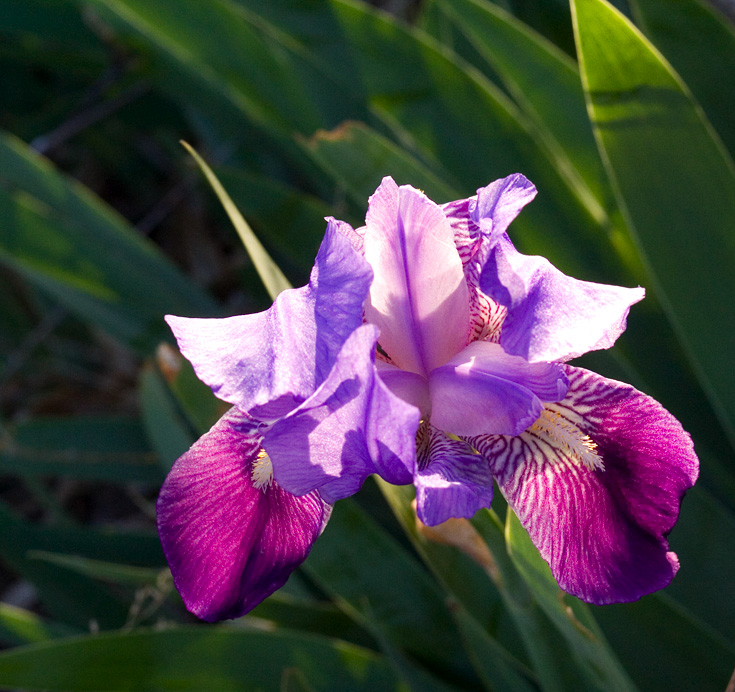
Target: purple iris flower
428, 350
475, 335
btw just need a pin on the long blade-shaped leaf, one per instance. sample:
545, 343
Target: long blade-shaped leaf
676, 185
194, 659
271, 276
700, 44
72, 245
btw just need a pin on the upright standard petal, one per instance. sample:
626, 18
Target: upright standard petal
499, 203
452, 480
485, 390
351, 427
419, 297
270, 362
597, 482
232, 536
551, 316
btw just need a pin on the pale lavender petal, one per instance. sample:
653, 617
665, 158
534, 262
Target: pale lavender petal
485, 390
270, 362
499, 203
419, 297
452, 480
603, 532
552, 316
229, 543
408, 386
351, 427
356, 236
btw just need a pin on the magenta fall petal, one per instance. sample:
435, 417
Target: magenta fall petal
229, 543
602, 530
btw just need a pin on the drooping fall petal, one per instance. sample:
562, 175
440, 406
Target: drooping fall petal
599, 515
269, 362
229, 542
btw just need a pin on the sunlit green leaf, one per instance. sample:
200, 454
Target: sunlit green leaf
349, 561
482, 590
570, 616
359, 158
674, 181
700, 44
271, 276
20, 626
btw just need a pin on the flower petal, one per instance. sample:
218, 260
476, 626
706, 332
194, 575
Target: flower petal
270, 362
485, 390
500, 202
552, 316
408, 386
419, 296
351, 427
229, 543
603, 532
452, 480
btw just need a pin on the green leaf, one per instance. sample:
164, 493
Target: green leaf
570, 616
168, 430
195, 658
304, 615
359, 158
349, 562
271, 276
290, 223
112, 572
104, 448
489, 658
489, 631
20, 626
656, 634
399, 81
675, 183
68, 596
242, 59
700, 45
545, 83
704, 528
70, 244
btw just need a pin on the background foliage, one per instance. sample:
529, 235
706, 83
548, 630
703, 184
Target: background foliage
623, 118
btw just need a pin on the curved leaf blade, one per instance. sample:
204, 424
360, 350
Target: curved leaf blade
194, 658
675, 183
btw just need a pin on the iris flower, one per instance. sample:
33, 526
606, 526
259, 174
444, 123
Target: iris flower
467, 385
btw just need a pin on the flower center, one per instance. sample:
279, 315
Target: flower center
559, 432
262, 474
